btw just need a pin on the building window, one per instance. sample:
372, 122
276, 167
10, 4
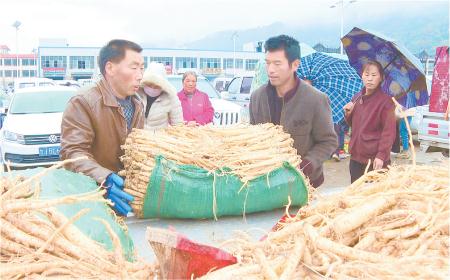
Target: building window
1, 61
210, 62
228, 63
145, 62
239, 63
1, 73
10, 61
28, 73
54, 61
28, 61
250, 64
162, 59
82, 62
10, 73
185, 62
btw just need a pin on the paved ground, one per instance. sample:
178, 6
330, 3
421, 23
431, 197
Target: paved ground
213, 232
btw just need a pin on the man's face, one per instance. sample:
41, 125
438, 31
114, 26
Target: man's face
278, 68
126, 75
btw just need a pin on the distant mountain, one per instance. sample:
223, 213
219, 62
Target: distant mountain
417, 33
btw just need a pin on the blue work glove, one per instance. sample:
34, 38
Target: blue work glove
114, 187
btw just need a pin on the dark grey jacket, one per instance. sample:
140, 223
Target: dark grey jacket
307, 118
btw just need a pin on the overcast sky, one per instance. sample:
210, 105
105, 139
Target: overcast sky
170, 23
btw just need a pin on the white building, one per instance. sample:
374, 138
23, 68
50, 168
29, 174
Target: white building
60, 61
16, 65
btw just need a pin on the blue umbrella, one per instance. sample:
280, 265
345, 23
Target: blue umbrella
334, 77
402, 70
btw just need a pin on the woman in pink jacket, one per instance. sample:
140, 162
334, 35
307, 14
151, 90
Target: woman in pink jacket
197, 108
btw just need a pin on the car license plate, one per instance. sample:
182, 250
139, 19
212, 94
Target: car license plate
49, 151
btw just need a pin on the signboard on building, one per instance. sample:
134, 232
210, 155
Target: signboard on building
211, 71
50, 72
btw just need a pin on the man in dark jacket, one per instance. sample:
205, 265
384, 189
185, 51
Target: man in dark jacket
301, 109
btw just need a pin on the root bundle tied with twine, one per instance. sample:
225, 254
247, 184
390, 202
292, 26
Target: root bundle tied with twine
389, 224
247, 150
39, 242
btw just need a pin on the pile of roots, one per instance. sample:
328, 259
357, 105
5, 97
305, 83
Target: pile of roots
391, 224
39, 242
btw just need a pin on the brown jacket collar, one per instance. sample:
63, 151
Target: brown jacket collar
108, 94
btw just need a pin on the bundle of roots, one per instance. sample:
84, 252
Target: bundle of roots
390, 224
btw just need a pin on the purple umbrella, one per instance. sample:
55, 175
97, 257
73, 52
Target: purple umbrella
402, 70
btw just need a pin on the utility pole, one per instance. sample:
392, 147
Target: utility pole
16, 25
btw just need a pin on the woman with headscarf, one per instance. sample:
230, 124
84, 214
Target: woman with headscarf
161, 105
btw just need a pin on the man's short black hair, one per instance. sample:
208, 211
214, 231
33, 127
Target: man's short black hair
114, 51
290, 46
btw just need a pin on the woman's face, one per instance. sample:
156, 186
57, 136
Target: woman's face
371, 77
189, 84
152, 89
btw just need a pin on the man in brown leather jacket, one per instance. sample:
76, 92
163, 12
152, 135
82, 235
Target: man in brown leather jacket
97, 121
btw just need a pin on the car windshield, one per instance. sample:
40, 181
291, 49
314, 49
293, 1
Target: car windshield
202, 85
40, 102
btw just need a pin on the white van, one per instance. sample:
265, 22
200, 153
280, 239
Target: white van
31, 130
20, 83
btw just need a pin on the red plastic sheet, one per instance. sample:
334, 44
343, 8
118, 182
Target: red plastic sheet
439, 87
181, 258
203, 258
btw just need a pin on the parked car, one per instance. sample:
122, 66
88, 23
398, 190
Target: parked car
20, 83
433, 129
238, 91
68, 83
225, 112
31, 131
86, 82
221, 83
4, 103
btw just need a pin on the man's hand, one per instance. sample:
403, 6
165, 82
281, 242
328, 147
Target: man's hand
114, 186
348, 108
377, 164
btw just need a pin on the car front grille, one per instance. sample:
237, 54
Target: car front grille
227, 118
18, 158
42, 139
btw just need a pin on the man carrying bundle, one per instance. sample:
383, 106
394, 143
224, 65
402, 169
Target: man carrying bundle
301, 109
97, 121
